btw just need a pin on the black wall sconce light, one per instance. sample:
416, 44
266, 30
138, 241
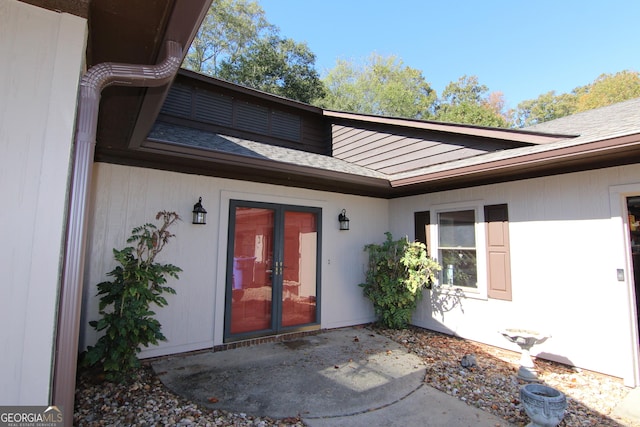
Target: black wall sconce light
199, 214
344, 221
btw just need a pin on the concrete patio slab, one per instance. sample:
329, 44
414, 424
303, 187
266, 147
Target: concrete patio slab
629, 408
342, 377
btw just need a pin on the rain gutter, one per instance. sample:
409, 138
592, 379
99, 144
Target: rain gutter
70, 299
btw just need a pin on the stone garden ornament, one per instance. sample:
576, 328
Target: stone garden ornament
544, 405
525, 340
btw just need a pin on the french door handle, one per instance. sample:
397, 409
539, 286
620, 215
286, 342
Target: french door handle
277, 268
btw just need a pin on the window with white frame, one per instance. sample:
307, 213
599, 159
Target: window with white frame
457, 248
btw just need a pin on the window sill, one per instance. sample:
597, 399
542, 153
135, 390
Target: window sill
460, 291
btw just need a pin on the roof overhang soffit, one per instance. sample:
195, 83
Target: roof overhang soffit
136, 32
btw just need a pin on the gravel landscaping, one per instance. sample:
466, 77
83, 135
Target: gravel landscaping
490, 385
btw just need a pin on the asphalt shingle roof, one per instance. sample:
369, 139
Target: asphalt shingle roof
227, 144
602, 123
613, 121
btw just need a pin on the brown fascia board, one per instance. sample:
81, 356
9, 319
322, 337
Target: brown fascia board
591, 155
182, 27
190, 160
180, 158
516, 135
240, 162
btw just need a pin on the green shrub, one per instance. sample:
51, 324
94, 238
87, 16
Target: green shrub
398, 272
137, 283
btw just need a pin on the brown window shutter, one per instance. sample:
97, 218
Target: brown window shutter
498, 259
421, 221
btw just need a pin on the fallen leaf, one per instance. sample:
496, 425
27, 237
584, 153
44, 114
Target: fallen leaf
213, 400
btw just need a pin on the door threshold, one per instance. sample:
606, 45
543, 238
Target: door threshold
286, 336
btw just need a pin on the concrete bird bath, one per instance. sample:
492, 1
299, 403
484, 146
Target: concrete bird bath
525, 340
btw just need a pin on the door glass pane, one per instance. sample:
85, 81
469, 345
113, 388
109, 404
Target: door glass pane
252, 270
299, 268
457, 248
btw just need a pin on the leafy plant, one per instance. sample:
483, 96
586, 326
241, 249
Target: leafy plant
138, 282
398, 272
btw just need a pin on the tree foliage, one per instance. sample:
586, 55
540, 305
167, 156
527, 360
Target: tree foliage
238, 44
545, 107
466, 90
384, 86
138, 281
278, 66
607, 89
468, 101
229, 27
381, 86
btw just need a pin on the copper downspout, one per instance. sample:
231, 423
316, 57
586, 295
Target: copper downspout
70, 300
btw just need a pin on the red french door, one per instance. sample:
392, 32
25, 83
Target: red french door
272, 274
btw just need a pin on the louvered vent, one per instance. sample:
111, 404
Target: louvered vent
285, 126
224, 113
214, 108
178, 102
253, 118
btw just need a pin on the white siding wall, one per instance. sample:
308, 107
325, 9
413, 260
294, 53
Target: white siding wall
41, 54
125, 197
567, 240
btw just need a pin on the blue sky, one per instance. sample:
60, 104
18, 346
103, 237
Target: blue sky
523, 49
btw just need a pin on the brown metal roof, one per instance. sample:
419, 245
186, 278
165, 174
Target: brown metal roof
521, 164
513, 135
